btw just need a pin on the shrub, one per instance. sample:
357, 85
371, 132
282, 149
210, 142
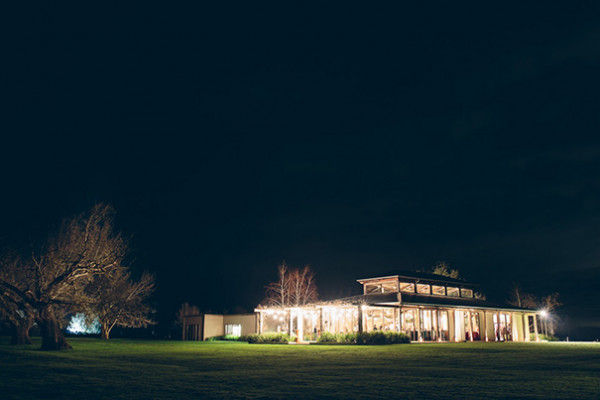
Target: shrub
266, 338
229, 338
378, 338
327, 337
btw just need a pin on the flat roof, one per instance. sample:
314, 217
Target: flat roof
410, 299
419, 276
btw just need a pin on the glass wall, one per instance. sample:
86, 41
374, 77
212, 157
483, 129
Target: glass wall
474, 326
408, 322
502, 327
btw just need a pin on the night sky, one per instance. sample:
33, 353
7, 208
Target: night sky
356, 140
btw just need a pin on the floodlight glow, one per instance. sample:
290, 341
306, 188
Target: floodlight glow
78, 326
544, 313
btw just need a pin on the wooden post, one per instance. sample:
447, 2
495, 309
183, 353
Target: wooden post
525, 327
535, 328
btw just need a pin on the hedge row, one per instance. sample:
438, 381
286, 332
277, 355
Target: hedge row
266, 338
369, 338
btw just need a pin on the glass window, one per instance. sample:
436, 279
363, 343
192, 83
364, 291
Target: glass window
466, 293
233, 329
439, 290
453, 291
407, 287
424, 289
389, 287
373, 289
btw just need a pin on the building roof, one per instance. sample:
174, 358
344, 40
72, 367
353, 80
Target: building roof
419, 299
419, 276
411, 299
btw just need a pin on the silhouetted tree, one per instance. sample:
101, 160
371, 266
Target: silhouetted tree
521, 299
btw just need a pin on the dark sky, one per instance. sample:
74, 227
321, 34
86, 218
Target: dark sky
358, 140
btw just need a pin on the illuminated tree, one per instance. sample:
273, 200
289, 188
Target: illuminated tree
278, 293
117, 300
53, 280
294, 287
19, 314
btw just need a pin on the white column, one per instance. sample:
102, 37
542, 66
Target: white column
300, 327
418, 327
470, 325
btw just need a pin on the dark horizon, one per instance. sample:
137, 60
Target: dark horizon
355, 141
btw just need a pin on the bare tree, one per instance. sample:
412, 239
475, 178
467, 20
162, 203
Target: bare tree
278, 293
120, 301
303, 289
294, 287
55, 278
548, 304
185, 310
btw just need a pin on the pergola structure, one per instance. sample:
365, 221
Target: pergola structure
424, 306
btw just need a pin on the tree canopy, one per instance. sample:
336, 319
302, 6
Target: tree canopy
54, 281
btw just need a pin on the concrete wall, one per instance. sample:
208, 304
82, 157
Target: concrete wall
248, 322
213, 326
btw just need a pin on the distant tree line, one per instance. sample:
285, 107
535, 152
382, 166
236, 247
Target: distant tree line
80, 268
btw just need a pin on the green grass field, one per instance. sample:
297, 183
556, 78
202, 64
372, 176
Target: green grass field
127, 369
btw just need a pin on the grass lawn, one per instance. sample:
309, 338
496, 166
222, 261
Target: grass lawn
128, 369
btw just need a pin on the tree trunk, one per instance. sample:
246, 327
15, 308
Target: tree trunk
104, 332
52, 336
20, 333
